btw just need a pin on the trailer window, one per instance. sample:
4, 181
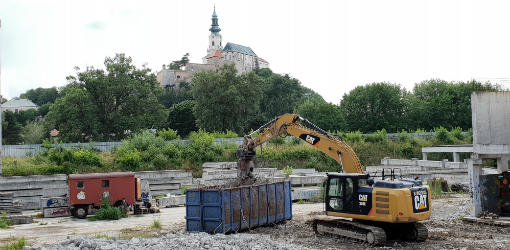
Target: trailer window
105, 183
80, 185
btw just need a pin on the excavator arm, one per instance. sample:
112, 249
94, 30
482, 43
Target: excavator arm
292, 124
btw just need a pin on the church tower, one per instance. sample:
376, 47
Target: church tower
215, 37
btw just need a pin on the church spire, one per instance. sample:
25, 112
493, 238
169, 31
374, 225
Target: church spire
215, 28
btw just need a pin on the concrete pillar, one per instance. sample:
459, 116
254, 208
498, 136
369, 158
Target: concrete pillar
474, 172
424, 156
456, 157
503, 163
0, 112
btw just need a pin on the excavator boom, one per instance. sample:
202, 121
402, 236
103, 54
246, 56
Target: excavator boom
292, 124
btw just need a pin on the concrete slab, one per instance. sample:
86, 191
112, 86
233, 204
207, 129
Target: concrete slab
50, 212
307, 180
163, 174
54, 202
304, 193
31, 178
33, 185
164, 187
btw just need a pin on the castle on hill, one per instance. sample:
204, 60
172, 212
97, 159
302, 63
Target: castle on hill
243, 57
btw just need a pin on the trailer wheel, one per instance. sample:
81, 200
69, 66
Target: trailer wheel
80, 212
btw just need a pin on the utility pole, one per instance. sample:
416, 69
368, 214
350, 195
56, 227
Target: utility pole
308, 95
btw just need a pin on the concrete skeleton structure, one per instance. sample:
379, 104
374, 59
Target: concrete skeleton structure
455, 149
244, 59
491, 140
0, 107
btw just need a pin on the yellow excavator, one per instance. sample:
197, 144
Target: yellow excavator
358, 206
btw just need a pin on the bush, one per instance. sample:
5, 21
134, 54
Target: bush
14, 244
353, 136
129, 158
403, 136
457, 133
278, 141
287, 170
442, 136
4, 223
107, 211
202, 138
378, 136
228, 134
60, 155
142, 141
168, 135
171, 150
86, 157
160, 161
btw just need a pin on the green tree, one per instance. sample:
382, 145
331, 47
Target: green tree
173, 96
282, 94
11, 129
33, 132
447, 104
374, 106
325, 115
181, 118
224, 100
25, 116
41, 96
44, 109
180, 63
105, 104
314, 96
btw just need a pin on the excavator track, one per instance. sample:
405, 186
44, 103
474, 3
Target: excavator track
370, 234
414, 232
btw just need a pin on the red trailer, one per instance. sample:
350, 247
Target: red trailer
86, 190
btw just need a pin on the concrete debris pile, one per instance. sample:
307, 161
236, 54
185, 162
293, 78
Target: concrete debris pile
451, 213
8, 205
175, 241
484, 215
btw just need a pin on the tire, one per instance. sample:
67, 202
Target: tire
80, 212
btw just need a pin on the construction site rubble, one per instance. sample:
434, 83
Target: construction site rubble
176, 241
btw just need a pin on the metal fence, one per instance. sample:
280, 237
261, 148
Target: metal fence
33, 149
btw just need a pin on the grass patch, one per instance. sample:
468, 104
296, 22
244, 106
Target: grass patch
14, 244
43, 223
301, 201
184, 188
139, 215
103, 236
92, 218
156, 224
128, 234
4, 223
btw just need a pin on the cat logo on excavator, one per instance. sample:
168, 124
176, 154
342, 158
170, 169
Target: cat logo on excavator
420, 199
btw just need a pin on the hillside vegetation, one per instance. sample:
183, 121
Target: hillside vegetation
147, 151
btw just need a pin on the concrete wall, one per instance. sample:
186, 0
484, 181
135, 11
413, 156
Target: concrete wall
30, 189
491, 122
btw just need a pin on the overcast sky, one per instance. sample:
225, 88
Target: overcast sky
330, 46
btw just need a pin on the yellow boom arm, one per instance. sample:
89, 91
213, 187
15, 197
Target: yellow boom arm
332, 145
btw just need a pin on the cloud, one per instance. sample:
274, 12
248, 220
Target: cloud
98, 25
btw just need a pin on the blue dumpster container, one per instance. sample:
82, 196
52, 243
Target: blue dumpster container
234, 209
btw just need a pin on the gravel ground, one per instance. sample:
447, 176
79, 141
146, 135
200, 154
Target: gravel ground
446, 231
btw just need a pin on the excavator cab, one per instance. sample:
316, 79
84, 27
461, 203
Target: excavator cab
347, 193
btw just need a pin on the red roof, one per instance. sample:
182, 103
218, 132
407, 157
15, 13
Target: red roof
260, 59
215, 53
54, 133
101, 175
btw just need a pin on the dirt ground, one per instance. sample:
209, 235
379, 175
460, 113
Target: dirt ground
445, 232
